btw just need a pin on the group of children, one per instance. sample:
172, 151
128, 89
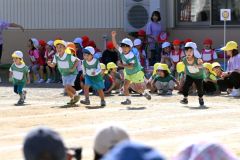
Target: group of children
125, 67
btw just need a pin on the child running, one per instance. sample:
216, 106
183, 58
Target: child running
19, 75
132, 69
92, 75
67, 64
194, 72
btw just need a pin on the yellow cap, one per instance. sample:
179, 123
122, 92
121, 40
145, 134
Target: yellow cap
163, 67
215, 64
209, 67
111, 65
102, 66
155, 67
180, 67
62, 42
230, 46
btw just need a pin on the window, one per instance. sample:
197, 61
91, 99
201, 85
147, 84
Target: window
230, 4
205, 12
193, 12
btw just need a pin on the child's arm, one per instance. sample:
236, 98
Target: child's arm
114, 33
51, 64
74, 66
28, 78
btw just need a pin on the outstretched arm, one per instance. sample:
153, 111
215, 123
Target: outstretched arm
114, 33
16, 26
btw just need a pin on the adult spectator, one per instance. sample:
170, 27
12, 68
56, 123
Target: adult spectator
106, 139
154, 28
129, 150
44, 144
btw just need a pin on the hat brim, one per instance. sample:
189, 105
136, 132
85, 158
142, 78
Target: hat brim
16, 56
124, 44
85, 51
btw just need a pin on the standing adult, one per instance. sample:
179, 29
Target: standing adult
154, 28
5, 25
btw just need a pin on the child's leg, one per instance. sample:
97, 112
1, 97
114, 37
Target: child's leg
72, 90
126, 87
15, 89
35, 71
101, 94
86, 91
68, 90
48, 69
187, 84
199, 86
41, 68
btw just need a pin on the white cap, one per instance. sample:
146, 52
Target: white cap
17, 54
35, 42
127, 41
109, 137
166, 44
78, 40
194, 47
50, 43
89, 49
137, 42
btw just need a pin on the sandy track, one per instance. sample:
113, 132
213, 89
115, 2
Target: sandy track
162, 122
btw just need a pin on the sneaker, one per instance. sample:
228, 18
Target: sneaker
49, 80
201, 102
41, 81
169, 92
147, 96
24, 95
184, 101
103, 103
235, 93
20, 101
70, 102
86, 102
160, 92
75, 99
126, 102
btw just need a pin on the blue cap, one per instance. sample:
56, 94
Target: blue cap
42, 143
128, 150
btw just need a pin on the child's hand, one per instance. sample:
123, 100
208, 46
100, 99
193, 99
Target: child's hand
71, 70
114, 33
93, 73
200, 61
28, 81
49, 63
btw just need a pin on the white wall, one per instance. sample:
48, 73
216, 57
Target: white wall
54, 14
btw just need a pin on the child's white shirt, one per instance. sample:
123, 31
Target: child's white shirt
128, 56
90, 71
18, 66
73, 59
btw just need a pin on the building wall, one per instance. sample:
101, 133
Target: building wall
55, 14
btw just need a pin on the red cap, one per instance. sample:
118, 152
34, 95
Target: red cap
110, 45
208, 41
92, 44
187, 40
42, 43
85, 41
141, 33
176, 42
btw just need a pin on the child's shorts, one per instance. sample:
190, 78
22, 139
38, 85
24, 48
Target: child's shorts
95, 85
69, 80
135, 78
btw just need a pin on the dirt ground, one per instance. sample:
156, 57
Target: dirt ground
162, 122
